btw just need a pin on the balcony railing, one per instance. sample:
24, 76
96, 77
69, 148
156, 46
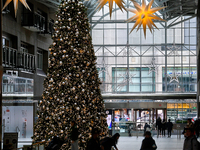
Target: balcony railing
33, 21
49, 30
9, 56
26, 61
50, 27
39, 21
14, 59
17, 85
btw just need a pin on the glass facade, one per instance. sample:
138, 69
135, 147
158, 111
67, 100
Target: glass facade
178, 111
163, 62
128, 80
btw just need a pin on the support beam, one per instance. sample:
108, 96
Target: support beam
198, 60
181, 21
153, 96
1, 73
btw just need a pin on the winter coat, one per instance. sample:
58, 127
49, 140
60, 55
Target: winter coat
163, 125
169, 126
190, 143
93, 144
148, 143
74, 133
158, 123
108, 143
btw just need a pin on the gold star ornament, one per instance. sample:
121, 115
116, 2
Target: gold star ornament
16, 4
118, 2
144, 15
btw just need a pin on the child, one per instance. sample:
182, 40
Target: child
148, 143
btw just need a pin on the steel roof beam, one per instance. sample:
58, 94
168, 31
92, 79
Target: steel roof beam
181, 21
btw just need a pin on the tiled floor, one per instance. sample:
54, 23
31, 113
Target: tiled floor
163, 143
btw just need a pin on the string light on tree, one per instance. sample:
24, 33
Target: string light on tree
15, 2
72, 87
144, 15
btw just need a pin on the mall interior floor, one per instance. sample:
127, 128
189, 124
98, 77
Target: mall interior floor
134, 142
163, 143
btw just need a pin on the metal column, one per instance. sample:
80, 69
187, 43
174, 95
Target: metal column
1, 73
198, 59
113, 121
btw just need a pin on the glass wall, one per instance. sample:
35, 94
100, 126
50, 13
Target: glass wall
18, 105
129, 79
162, 62
180, 112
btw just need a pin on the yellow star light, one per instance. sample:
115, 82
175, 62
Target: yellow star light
16, 4
144, 15
118, 2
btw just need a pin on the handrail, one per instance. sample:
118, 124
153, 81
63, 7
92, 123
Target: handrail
39, 15
16, 59
9, 47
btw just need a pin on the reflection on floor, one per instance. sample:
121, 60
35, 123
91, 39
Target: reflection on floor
163, 143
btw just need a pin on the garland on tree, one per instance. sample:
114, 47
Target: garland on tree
72, 87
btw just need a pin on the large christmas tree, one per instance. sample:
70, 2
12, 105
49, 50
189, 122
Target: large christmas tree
72, 87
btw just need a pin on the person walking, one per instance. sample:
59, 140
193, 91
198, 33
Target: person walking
109, 142
74, 136
94, 142
190, 142
129, 131
148, 143
158, 126
146, 127
163, 127
169, 127
197, 127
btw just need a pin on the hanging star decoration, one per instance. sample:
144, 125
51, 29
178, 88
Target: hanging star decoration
103, 67
15, 2
144, 16
118, 2
127, 50
173, 50
153, 67
174, 77
127, 77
